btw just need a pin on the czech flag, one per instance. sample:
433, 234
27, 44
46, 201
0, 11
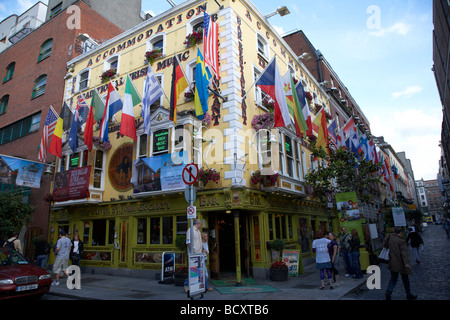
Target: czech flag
271, 83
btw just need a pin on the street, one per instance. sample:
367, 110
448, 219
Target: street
430, 279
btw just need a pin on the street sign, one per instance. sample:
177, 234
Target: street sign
191, 212
189, 194
190, 173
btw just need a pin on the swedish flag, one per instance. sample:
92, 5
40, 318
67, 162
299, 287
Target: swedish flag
202, 78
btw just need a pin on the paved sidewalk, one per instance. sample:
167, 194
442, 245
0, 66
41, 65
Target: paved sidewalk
303, 287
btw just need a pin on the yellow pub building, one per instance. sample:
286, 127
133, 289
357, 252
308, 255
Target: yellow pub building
137, 204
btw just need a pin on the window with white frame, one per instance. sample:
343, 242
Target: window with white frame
142, 146
99, 161
157, 42
82, 80
298, 160
263, 46
288, 146
195, 25
112, 63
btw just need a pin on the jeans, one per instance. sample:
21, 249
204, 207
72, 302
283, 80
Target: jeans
41, 260
347, 257
356, 266
393, 282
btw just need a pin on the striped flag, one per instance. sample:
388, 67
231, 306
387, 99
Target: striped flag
202, 77
332, 134
131, 98
113, 104
210, 45
294, 105
47, 132
151, 93
179, 84
320, 123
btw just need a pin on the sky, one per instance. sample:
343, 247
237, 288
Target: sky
382, 52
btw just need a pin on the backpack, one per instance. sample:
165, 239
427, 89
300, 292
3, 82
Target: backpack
10, 244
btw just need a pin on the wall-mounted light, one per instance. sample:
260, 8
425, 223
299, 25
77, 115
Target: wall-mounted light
282, 11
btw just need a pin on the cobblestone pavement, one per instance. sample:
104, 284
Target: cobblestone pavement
430, 279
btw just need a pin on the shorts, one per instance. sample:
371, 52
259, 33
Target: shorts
60, 264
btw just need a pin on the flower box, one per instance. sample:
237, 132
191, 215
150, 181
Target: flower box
151, 56
206, 175
193, 38
263, 121
108, 74
278, 271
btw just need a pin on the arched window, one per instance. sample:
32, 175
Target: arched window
4, 103
39, 86
46, 49
9, 71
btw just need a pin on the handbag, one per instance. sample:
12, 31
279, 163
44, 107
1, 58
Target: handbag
383, 257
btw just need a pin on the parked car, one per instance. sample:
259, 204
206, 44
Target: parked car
438, 221
19, 278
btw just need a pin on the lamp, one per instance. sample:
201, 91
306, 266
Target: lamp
305, 56
282, 11
48, 169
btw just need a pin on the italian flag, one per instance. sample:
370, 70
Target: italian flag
130, 99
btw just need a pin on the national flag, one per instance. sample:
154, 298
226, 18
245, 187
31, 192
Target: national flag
332, 134
210, 45
305, 108
320, 123
352, 143
89, 128
55, 147
386, 173
98, 104
294, 105
113, 102
202, 77
373, 155
131, 98
151, 93
79, 118
68, 116
271, 83
47, 132
349, 128
179, 84
363, 149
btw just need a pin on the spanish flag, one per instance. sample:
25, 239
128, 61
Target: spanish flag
56, 143
179, 84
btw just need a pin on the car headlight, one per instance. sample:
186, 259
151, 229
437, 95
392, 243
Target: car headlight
6, 282
45, 276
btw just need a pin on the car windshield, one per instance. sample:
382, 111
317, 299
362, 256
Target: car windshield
11, 258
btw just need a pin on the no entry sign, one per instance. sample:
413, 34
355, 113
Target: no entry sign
191, 212
190, 173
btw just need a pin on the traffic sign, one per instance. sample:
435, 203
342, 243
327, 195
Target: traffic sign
190, 173
189, 194
191, 212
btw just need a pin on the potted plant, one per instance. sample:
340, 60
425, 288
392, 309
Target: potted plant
269, 180
108, 74
193, 38
181, 271
308, 96
278, 270
207, 119
263, 121
151, 56
256, 177
206, 175
189, 95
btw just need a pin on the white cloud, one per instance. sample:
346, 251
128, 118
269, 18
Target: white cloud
399, 28
408, 92
279, 30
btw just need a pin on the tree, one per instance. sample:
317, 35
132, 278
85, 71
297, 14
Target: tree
343, 171
14, 213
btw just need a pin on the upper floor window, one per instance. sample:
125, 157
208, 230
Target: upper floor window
157, 43
82, 80
263, 47
39, 86
46, 49
4, 103
56, 9
20, 128
9, 71
112, 63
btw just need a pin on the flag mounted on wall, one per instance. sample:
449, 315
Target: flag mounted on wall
47, 132
113, 105
202, 77
130, 100
210, 45
55, 147
151, 93
179, 84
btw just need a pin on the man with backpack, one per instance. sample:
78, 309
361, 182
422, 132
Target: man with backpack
14, 243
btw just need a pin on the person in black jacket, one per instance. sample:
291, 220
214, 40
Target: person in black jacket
416, 242
77, 249
354, 249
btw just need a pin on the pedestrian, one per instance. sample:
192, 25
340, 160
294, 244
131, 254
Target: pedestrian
205, 250
323, 261
62, 252
354, 250
346, 255
197, 244
446, 226
41, 251
77, 249
333, 251
416, 242
398, 263
14, 243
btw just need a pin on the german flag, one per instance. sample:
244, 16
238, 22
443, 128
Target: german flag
179, 84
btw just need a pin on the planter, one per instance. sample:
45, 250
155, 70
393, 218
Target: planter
180, 278
278, 274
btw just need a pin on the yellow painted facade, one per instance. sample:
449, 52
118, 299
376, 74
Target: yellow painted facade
126, 229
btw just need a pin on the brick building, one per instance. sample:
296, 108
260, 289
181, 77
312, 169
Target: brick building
34, 69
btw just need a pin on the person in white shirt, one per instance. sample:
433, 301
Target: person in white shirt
323, 261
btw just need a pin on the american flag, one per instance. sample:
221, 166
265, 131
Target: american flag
210, 46
49, 128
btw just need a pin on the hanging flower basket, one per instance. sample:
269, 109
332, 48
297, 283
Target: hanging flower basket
101, 144
308, 96
207, 119
193, 38
263, 121
266, 180
151, 56
189, 95
269, 103
206, 175
108, 74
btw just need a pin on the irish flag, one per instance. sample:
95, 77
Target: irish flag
130, 99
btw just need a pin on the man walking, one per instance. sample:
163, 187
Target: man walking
62, 252
398, 263
346, 254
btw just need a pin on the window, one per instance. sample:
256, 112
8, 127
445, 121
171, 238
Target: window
289, 156
298, 160
160, 230
20, 128
46, 49
157, 42
263, 47
142, 147
98, 169
56, 9
9, 71
4, 103
102, 232
195, 25
178, 139
280, 226
39, 86
83, 80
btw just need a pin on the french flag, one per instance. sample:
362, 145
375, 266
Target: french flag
113, 104
271, 83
